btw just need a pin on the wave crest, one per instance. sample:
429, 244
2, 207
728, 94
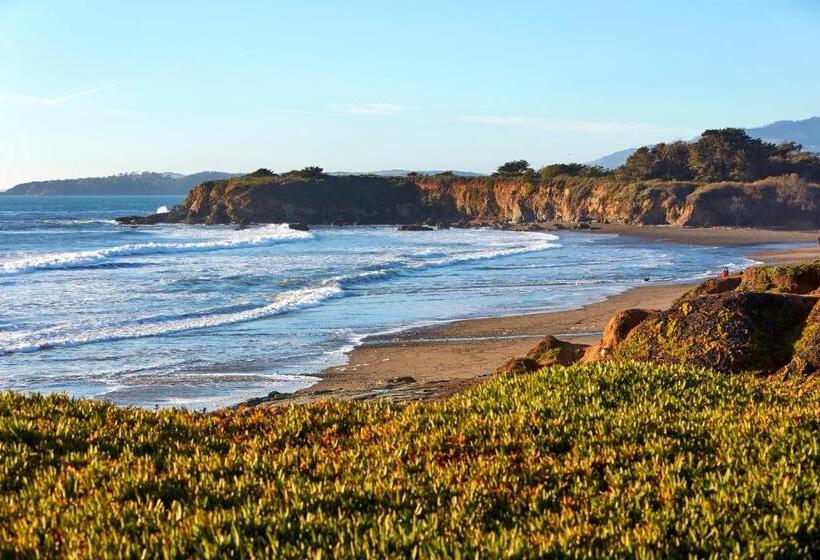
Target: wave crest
284, 302
254, 237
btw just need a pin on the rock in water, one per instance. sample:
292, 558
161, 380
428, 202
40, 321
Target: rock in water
298, 226
414, 227
148, 220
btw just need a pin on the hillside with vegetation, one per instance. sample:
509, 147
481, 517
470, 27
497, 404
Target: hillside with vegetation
726, 178
145, 183
599, 460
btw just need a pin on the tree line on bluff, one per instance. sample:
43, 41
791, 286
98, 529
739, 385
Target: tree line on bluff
727, 154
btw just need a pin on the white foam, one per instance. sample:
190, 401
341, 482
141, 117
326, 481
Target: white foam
541, 243
162, 209
231, 239
286, 301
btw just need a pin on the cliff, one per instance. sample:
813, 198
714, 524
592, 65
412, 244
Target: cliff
320, 200
786, 202
775, 202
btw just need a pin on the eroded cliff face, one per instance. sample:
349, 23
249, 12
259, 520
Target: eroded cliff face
777, 202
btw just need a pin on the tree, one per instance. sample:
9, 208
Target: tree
572, 169
671, 162
311, 172
729, 154
513, 168
639, 165
262, 172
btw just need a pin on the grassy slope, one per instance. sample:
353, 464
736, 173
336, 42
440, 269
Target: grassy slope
588, 459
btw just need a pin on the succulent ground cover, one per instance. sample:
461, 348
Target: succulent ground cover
601, 459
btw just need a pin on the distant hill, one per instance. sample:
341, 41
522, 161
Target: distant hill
615, 159
805, 132
405, 172
125, 184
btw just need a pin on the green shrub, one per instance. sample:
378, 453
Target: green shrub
596, 460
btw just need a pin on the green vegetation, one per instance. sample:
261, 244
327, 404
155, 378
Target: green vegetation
311, 172
602, 459
727, 154
513, 168
552, 171
262, 172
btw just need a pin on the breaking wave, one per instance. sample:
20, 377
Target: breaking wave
284, 302
292, 300
254, 237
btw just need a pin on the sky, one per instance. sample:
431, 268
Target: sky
90, 88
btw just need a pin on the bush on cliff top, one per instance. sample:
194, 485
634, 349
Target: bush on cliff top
602, 459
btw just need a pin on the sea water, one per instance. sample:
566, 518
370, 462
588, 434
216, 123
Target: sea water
207, 316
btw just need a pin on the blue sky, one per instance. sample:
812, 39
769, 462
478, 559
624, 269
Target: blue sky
99, 87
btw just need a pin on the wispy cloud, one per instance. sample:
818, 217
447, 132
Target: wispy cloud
364, 109
62, 99
249, 52
293, 111
376, 109
51, 101
540, 123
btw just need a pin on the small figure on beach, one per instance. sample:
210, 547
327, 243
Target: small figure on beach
724, 273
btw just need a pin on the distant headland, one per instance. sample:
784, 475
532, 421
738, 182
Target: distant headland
725, 178
133, 184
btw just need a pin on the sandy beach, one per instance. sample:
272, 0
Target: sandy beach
437, 361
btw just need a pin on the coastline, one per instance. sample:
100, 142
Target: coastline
434, 362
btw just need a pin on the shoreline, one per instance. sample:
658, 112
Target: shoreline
436, 361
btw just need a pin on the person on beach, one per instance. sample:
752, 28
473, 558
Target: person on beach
724, 274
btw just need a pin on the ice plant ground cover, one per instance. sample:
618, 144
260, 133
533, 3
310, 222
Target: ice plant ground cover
593, 460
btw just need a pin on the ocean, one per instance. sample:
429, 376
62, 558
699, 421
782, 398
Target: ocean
202, 317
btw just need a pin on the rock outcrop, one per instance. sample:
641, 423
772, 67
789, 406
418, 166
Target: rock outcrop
795, 279
731, 332
711, 287
774, 202
516, 366
619, 327
766, 321
550, 351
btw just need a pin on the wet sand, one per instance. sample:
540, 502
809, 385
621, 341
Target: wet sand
711, 236
438, 361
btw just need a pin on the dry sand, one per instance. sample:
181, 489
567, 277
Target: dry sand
434, 362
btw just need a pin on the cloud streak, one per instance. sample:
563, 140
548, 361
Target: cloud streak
51, 101
376, 109
62, 99
361, 109
550, 125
